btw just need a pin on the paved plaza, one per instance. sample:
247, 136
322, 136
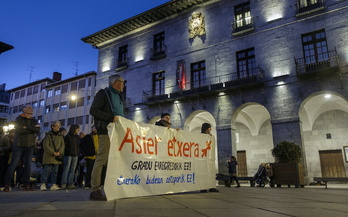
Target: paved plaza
245, 201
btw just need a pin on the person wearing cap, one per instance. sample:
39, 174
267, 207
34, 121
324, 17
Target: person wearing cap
26, 128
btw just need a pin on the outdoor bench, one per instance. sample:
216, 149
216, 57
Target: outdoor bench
330, 179
226, 179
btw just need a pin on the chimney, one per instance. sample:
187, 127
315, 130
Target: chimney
57, 76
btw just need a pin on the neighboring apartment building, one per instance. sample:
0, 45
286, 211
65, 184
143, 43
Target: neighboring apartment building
4, 95
259, 71
54, 99
4, 104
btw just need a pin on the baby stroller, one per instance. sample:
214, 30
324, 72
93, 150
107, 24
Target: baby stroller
264, 175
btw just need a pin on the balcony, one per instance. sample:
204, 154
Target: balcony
302, 9
324, 66
243, 26
209, 86
158, 52
121, 64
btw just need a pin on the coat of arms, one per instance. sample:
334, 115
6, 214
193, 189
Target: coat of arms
196, 25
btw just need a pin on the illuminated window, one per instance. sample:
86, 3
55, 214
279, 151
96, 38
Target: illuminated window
158, 83
57, 91
246, 63
56, 107
315, 47
47, 109
308, 6
242, 16
63, 106
35, 104
42, 103
49, 93
198, 74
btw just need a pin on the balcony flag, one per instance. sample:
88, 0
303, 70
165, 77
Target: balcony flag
180, 75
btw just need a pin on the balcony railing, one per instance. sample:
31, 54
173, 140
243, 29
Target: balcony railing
243, 26
302, 9
211, 85
328, 64
158, 52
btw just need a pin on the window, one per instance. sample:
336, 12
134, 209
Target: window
30, 91
17, 95
36, 89
56, 107
242, 16
64, 88
39, 119
49, 93
63, 106
22, 93
158, 83
62, 122
47, 109
46, 124
72, 104
42, 103
42, 87
71, 121
79, 120
80, 102
246, 63
73, 86
82, 83
158, 42
15, 109
122, 56
198, 74
87, 119
305, 6
158, 50
57, 91
35, 105
315, 47
89, 101
89, 82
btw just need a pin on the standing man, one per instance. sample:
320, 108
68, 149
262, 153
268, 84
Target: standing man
164, 121
26, 128
106, 108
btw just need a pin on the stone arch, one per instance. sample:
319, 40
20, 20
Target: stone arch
154, 119
321, 114
194, 122
252, 134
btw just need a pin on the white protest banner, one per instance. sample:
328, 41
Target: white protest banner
147, 160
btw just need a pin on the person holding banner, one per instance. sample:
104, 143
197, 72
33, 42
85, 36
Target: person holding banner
106, 107
164, 121
206, 129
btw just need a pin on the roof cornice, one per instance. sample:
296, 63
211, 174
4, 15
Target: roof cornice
153, 15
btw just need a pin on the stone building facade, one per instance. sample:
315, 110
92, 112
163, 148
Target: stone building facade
259, 71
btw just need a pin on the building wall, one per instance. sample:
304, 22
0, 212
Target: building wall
277, 43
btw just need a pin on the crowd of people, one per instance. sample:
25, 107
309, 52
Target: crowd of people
59, 161
66, 160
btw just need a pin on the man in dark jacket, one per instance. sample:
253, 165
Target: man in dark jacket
164, 121
106, 108
26, 128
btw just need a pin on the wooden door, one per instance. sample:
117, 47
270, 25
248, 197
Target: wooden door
332, 164
242, 164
